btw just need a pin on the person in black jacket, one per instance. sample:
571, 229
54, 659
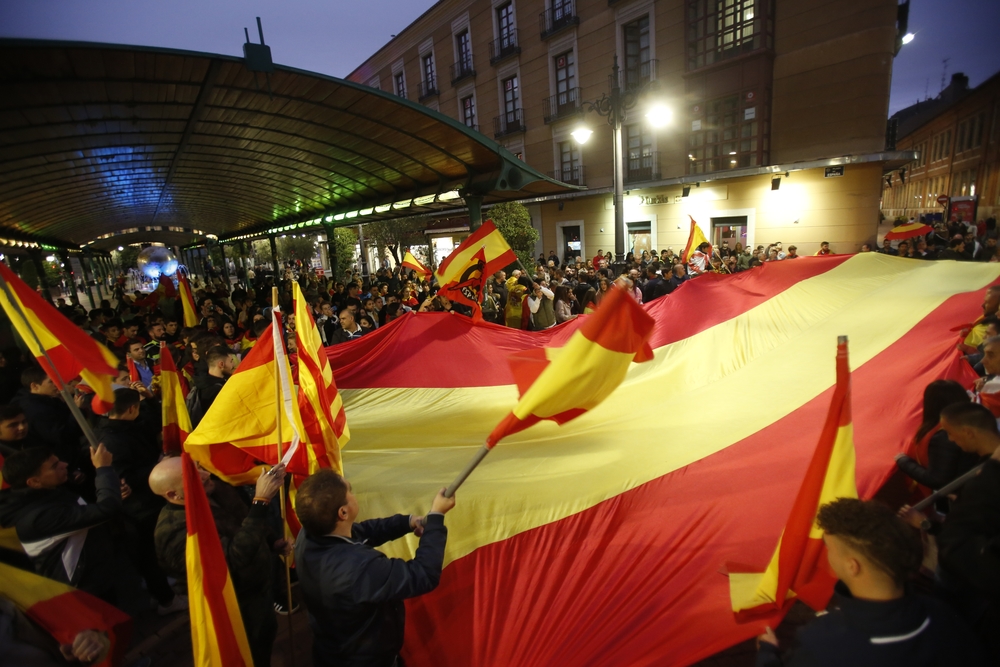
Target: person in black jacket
50, 418
873, 620
67, 539
354, 593
220, 364
653, 282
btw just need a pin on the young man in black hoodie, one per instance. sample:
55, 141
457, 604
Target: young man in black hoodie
66, 539
220, 364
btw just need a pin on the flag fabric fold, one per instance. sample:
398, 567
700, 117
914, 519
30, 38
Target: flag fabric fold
176, 420
190, 314
73, 353
560, 384
463, 273
218, 637
411, 262
63, 611
798, 567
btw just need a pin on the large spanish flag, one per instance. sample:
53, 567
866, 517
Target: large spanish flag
609, 535
798, 566
464, 272
411, 262
73, 353
190, 313
320, 404
173, 392
63, 611
217, 634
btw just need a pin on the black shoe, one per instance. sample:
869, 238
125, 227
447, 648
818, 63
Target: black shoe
281, 608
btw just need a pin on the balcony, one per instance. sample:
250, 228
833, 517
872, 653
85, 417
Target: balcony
510, 122
428, 89
463, 69
562, 105
555, 19
572, 176
637, 75
641, 168
504, 47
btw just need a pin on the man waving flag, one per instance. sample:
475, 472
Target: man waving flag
411, 262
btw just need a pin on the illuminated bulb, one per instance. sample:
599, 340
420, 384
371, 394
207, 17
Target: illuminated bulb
907, 38
581, 134
659, 116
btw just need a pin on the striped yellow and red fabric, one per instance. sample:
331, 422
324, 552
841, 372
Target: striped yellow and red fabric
73, 352
695, 238
217, 633
798, 567
908, 231
173, 392
320, 405
239, 433
463, 273
63, 611
694, 461
190, 313
560, 384
411, 262
133, 372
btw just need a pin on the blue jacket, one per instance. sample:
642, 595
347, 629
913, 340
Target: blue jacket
355, 594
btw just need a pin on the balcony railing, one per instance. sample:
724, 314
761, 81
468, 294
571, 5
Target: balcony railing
572, 176
635, 76
504, 47
643, 168
562, 105
509, 122
428, 89
555, 19
463, 69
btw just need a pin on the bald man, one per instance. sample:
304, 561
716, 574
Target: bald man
246, 541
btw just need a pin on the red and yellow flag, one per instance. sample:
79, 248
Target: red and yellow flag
695, 238
165, 288
173, 391
908, 231
217, 633
463, 273
133, 372
187, 301
412, 262
63, 611
798, 566
561, 384
72, 352
320, 405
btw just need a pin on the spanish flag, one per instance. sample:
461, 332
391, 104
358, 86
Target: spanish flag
73, 353
798, 566
464, 272
176, 420
187, 301
695, 238
411, 262
165, 288
217, 634
561, 384
63, 612
133, 372
320, 405
240, 430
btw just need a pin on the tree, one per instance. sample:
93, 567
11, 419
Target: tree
345, 241
289, 248
396, 234
127, 258
514, 223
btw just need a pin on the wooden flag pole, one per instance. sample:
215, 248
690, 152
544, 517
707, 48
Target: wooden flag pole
63, 389
951, 487
279, 405
462, 476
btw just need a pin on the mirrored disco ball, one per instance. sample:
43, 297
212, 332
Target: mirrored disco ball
155, 260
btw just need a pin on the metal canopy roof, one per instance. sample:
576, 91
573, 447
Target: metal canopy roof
99, 139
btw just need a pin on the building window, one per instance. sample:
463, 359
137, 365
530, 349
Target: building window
428, 70
505, 26
637, 54
464, 45
565, 79
641, 161
511, 97
400, 81
569, 162
726, 135
469, 111
720, 29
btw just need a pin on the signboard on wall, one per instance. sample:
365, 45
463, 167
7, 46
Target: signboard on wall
963, 208
833, 172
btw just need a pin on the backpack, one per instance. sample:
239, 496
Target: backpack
194, 407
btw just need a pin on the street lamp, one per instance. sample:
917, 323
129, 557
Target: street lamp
615, 107
907, 38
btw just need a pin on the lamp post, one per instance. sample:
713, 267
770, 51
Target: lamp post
615, 106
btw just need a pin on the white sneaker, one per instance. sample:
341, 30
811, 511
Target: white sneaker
179, 603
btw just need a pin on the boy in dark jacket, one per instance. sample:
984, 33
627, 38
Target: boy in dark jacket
353, 592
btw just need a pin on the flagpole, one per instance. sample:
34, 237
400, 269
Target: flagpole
279, 404
63, 390
462, 476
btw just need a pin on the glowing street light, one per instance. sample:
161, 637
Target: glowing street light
581, 134
908, 37
659, 116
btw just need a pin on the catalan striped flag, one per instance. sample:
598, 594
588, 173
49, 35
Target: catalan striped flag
798, 567
217, 633
63, 611
561, 384
73, 353
173, 392
463, 273
320, 404
187, 301
411, 262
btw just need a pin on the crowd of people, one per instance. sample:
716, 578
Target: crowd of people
104, 519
